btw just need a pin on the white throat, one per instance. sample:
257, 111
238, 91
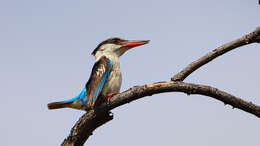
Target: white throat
112, 56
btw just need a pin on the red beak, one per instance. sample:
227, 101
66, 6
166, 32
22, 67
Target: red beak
131, 44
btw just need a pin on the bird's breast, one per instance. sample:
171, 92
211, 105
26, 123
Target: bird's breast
113, 83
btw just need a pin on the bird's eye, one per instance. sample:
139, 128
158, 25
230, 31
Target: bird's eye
116, 41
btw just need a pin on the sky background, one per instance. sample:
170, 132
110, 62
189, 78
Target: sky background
45, 56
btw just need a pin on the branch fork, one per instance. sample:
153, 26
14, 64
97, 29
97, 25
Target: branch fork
94, 119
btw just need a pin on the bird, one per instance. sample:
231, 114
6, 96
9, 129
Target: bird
105, 79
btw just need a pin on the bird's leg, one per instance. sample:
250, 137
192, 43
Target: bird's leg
90, 104
110, 95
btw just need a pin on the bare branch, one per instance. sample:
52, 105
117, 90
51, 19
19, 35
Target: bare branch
258, 39
253, 37
85, 126
137, 92
93, 119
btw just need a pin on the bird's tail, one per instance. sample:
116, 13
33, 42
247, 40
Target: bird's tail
71, 103
57, 105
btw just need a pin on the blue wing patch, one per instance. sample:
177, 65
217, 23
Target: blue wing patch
95, 84
99, 75
81, 96
102, 83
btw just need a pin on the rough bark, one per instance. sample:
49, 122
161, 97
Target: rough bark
93, 119
85, 126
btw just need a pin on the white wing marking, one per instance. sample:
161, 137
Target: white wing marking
101, 70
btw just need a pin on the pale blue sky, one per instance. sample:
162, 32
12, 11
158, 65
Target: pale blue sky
45, 56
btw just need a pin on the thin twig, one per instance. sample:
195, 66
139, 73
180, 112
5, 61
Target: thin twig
253, 37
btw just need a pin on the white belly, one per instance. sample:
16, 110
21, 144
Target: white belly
113, 83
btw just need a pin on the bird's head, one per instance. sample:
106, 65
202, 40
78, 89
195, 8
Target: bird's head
116, 47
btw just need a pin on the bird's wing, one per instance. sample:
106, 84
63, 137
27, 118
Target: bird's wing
99, 75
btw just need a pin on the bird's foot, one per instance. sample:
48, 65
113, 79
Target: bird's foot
110, 95
90, 106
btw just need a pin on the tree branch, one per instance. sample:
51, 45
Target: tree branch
88, 122
93, 119
253, 37
85, 126
188, 88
